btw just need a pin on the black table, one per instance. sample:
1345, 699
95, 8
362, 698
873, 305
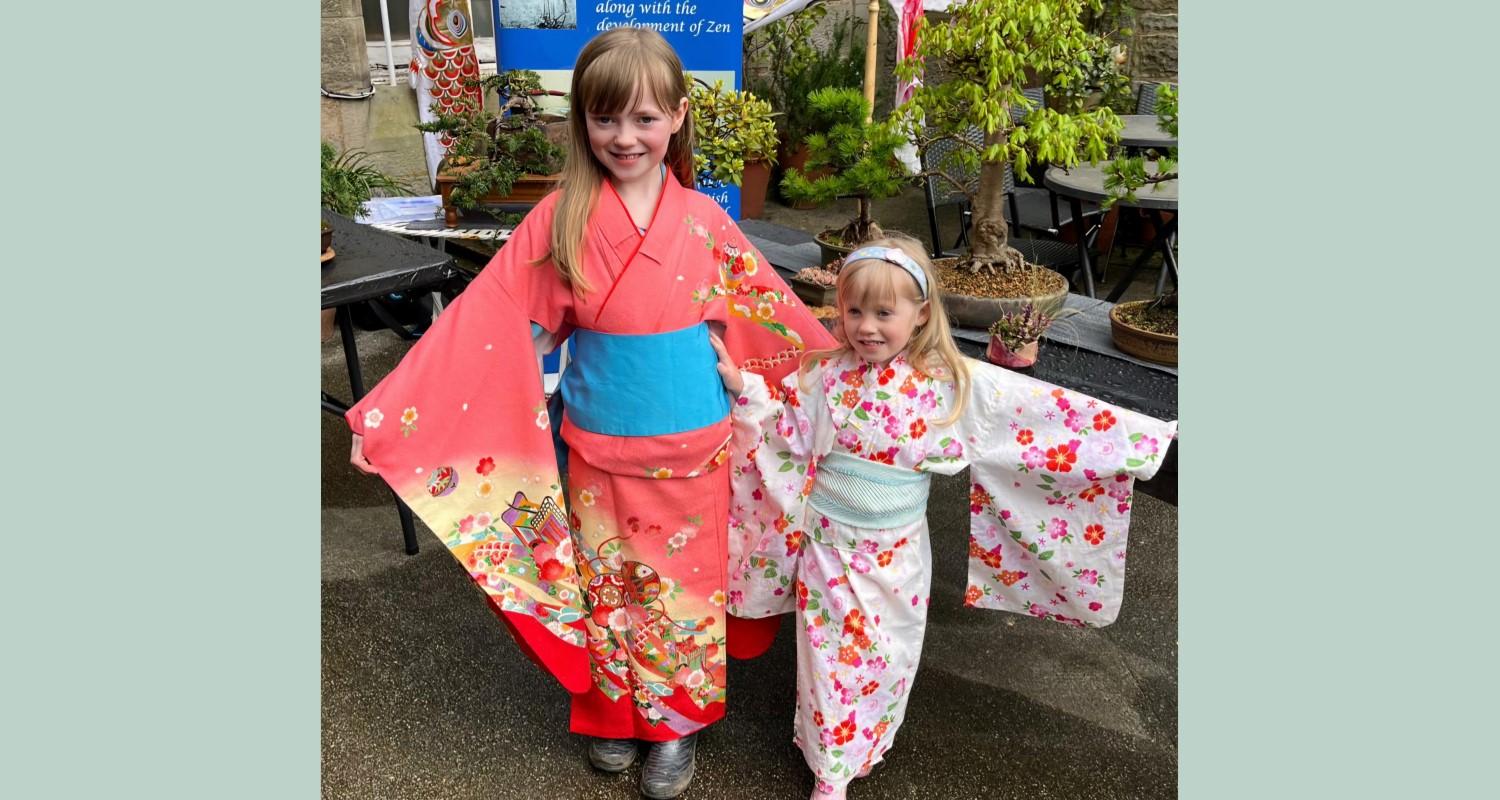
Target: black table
1144, 131
1086, 183
368, 265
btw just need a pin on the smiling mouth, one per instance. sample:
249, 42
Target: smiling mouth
869, 343
626, 156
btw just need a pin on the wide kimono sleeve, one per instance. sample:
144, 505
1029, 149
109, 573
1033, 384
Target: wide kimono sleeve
779, 433
767, 330
1052, 475
461, 433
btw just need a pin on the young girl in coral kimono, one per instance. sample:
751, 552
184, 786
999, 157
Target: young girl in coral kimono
617, 584
831, 496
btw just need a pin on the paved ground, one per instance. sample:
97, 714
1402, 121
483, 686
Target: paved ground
426, 696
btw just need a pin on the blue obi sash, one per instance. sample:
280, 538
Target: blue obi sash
643, 384
861, 492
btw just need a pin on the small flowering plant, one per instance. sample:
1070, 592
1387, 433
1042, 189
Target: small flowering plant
823, 276
1020, 328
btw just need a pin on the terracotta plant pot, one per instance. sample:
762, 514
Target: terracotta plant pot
998, 353
527, 190
753, 184
1149, 345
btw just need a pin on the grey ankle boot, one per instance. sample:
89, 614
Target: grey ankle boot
669, 768
612, 755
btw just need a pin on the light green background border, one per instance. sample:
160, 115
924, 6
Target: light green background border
161, 581
161, 559
1337, 553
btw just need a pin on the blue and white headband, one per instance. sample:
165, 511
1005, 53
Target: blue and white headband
892, 255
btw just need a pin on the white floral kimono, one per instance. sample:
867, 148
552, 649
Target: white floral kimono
830, 477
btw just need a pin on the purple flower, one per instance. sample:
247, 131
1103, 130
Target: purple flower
954, 449
1033, 457
1146, 445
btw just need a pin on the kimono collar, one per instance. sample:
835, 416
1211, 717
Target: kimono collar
619, 230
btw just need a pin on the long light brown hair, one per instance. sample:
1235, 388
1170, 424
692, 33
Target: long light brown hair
873, 282
612, 70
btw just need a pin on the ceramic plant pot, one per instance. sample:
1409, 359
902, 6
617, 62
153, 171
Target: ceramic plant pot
999, 354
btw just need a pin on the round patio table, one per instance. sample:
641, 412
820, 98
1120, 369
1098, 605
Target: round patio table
1142, 131
1086, 183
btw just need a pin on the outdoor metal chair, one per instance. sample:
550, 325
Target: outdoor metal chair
1027, 208
1145, 97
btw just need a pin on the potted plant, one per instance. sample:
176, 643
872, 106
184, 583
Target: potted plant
349, 181
794, 65
736, 138
513, 158
860, 157
1147, 328
1016, 336
817, 285
989, 50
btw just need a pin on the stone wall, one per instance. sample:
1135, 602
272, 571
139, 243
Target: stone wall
1153, 56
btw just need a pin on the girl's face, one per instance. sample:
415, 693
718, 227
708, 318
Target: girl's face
878, 329
632, 144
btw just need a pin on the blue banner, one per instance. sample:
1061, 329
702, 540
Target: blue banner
547, 35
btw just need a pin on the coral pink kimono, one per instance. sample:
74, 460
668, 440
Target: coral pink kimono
614, 581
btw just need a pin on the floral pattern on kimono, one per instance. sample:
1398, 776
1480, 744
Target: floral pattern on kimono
1050, 497
617, 588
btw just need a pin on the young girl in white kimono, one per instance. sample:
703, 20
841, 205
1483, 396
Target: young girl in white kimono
830, 489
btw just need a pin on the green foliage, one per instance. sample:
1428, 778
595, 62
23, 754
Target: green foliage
991, 50
1104, 69
797, 67
490, 152
350, 180
732, 128
859, 156
1125, 175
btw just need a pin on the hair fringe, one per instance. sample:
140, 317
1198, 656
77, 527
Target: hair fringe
611, 70
931, 349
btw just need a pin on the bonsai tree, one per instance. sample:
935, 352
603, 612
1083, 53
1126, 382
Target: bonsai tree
989, 50
732, 128
1125, 175
490, 152
350, 180
860, 158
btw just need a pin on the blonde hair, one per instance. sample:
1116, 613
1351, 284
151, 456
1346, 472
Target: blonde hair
931, 349
611, 70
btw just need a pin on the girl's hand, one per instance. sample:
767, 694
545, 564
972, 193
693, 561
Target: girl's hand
357, 456
727, 370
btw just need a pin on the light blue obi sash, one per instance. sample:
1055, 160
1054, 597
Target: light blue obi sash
856, 491
643, 384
